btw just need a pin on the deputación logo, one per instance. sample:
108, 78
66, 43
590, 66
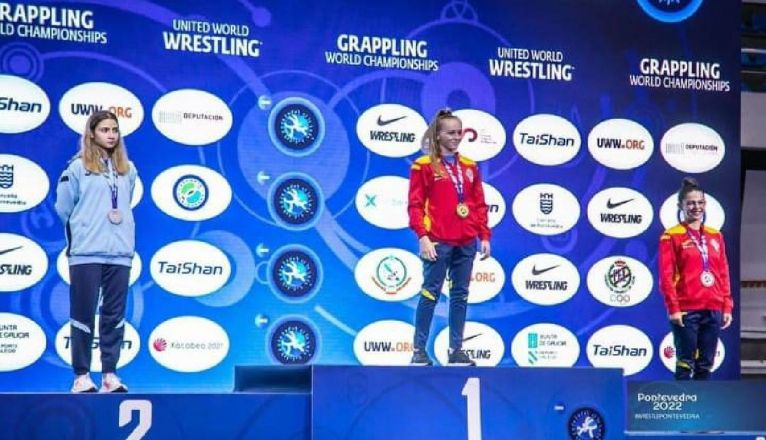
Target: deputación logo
192, 117
190, 268
620, 212
386, 342
81, 101
189, 344
22, 262
23, 184
295, 272
620, 346
191, 192
692, 148
293, 342
621, 144
620, 281
546, 139
295, 201
546, 209
389, 274
545, 279
382, 201
545, 345
24, 106
391, 130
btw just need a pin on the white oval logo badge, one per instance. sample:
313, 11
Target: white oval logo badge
620, 346
23, 184
190, 268
495, 205
191, 192
546, 209
545, 345
670, 215
692, 148
386, 342
545, 279
131, 344
189, 344
24, 106
22, 262
192, 117
62, 266
546, 139
620, 212
391, 130
81, 101
483, 135
620, 144
620, 281
138, 192
389, 274
487, 280
668, 353
382, 201
22, 342
482, 343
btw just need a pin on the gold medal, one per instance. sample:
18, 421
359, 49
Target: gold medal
462, 210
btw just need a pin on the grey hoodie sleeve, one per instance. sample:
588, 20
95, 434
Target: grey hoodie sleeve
132, 173
67, 192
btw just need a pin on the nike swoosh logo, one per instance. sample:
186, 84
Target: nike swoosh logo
382, 122
611, 205
5, 251
471, 337
535, 271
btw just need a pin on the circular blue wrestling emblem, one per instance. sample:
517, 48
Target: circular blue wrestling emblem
295, 273
295, 202
296, 127
586, 424
670, 11
293, 342
190, 192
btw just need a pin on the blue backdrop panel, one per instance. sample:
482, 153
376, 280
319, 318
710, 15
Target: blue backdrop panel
227, 416
546, 403
223, 165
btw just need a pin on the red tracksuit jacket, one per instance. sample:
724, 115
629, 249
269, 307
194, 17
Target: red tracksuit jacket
433, 201
680, 268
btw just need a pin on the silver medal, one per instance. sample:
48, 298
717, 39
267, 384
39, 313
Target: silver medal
707, 278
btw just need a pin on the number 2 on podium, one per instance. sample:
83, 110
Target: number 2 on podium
472, 393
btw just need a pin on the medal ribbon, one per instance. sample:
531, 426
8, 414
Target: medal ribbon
457, 181
111, 180
702, 247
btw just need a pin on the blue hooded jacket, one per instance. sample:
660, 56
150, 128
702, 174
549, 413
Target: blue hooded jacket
83, 200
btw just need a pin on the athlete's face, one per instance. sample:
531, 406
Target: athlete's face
106, 134
450, 134
693, 206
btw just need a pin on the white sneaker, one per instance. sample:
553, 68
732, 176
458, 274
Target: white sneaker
110, 383
83, 384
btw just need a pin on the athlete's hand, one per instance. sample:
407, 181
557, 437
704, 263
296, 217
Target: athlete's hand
677, 318
427, 249
727, 318
484, 250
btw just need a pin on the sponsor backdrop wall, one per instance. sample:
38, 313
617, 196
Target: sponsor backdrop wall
273, 142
